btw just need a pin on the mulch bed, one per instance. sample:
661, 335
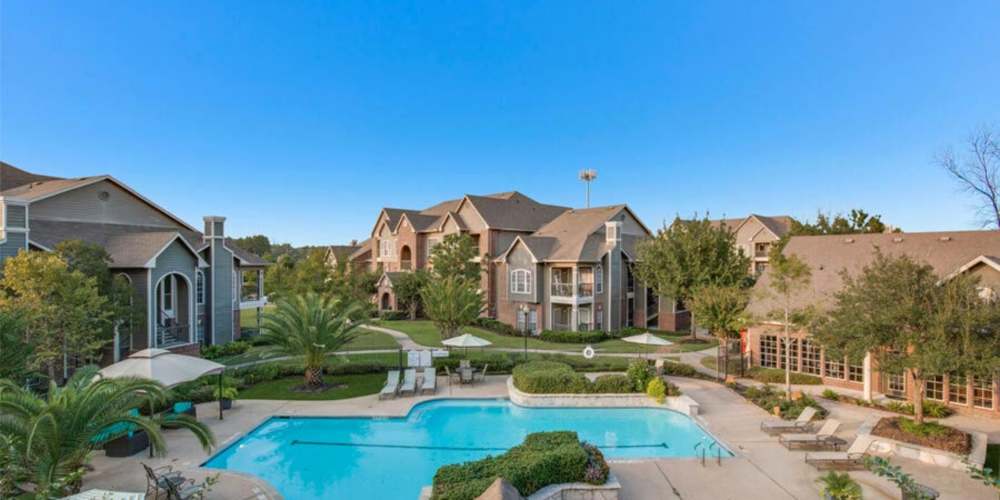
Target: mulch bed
317, 389
951, 440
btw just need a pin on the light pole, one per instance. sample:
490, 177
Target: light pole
524, 331
588, 175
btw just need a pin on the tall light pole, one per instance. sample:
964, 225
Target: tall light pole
587, 175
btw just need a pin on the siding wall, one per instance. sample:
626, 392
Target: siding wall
16, 216
222, 292
12, 243
84, 204
176, 259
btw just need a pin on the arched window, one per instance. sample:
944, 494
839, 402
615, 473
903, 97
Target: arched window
199, 286
520, 281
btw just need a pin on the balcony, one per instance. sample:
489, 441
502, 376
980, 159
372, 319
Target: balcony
562, 289
585, 289
168, 336
761, 250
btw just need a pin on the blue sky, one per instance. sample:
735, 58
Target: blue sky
300, 120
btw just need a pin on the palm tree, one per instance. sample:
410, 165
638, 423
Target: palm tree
51, 438
311, 326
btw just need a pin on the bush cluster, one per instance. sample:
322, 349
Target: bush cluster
393, 315
777, 376
640, 373
550, 377
767, 397
681, 370
225, 350
613, 384
543, 458
563, 337
932, 409
497, 327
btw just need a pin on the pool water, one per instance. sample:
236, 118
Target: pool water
392, 458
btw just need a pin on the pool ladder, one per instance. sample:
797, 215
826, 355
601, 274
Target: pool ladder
700, 446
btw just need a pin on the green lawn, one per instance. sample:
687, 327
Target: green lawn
354, 386
425, 333
366, 340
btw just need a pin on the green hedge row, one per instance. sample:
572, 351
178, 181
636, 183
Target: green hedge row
573, 337
551, 377
223, 350
543, 458
777, 376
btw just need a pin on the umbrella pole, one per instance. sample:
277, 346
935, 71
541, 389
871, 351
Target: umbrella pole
220, 394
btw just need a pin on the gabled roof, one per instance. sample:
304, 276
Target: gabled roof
363, 248
513, 211
12, 177
778, 225
418, 221
342, 251
575, 236
946, 252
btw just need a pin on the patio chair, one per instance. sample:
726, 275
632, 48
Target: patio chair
451, 376
429, 385
182, 492
823, 438
464, 363
836, 460
181, 408
466, 375
391, 386
800, 424
482, 376
158, 480
409, 386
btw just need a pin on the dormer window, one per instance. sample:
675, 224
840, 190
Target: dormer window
520, 281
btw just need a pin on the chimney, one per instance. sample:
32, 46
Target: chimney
215, 226
613, 232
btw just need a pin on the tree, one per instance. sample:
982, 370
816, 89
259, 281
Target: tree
856, 222
452, 302
14, 347
722, 311
279, 278
789, 275
456, 256
898, 310
408, 287
258, 244
352, 284
51, 439
688, 255
311, 325
978, 173
65, 315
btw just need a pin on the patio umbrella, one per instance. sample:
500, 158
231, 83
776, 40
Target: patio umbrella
466, 340
165, 367
647, 339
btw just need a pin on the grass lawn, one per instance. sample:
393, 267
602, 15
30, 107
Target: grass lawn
354, 386
425, 333
366, 340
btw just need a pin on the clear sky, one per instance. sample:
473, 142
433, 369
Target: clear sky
300, 120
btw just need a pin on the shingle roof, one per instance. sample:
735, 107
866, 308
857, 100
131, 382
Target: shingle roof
573, 235
828, 255
780, 225
12, 177
128, 246
247, 258
514, 211
363, 248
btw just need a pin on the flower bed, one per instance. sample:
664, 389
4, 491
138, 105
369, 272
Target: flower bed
932, 409
543, 458
928, 434
768, 398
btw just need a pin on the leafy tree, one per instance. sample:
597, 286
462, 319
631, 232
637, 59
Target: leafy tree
857, 221
351, 284
50, 439
789, 276
310, 325
94, 261
722, 311
279, 278
408, 287
897, 309
456, 256
688, 255
64, 313
452, 302
14, 347
258, 244
978, 173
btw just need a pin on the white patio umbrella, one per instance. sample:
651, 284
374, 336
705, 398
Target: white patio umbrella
165, 367
466, 340
647, 339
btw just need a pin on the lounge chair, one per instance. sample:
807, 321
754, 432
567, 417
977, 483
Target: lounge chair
182, 408
123, 439
800, 424
823, 438
409, 386
482, 376
159, 479
429, 384
391, 386
838, 460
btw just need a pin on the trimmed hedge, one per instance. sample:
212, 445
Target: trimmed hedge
543, 458
613, 384
562, 337
497, 327
550, 377
777, 376
223, 350
393, 315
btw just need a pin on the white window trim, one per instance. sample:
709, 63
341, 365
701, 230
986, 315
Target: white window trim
527, 276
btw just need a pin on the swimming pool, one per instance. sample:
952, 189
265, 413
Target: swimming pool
392, 458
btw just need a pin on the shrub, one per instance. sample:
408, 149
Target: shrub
542, 459
260, 373
899, 407
640, 373
934, 409
657, 390
233, 348
393, 315
777, 376
926, 429
549, 377
680, 370
613, 384
497, 327
573, 337
767, 397
830, 394
353, 369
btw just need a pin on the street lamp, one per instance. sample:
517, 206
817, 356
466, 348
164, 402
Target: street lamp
524, 331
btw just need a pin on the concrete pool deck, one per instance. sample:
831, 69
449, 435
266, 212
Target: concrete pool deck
762, 468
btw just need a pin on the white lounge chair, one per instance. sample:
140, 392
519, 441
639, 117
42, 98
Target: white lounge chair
409, 386
839, 460
429, 384
823, 438
391, 386
800, 424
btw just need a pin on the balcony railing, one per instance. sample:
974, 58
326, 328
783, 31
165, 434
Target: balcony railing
584, 327
561, 327
585, 289
167, 336
562, 289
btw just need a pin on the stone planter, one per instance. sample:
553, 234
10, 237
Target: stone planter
867, 442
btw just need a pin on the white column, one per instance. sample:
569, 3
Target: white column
867, 370
573, 318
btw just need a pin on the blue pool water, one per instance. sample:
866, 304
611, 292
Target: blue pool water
392, 458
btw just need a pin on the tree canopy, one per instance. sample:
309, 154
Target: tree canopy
856, 221
452, 302
456, 256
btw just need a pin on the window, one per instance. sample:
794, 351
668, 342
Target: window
599, 279
958, 389
856, 372
199, 286
789, 352
237, 280
533, 321
769, 351
759, 268
386, 248
520, 281
982, 392
934, 387
599, 318
834, 367
895, 385
810, 357
585, 319
522, 321
167, 293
